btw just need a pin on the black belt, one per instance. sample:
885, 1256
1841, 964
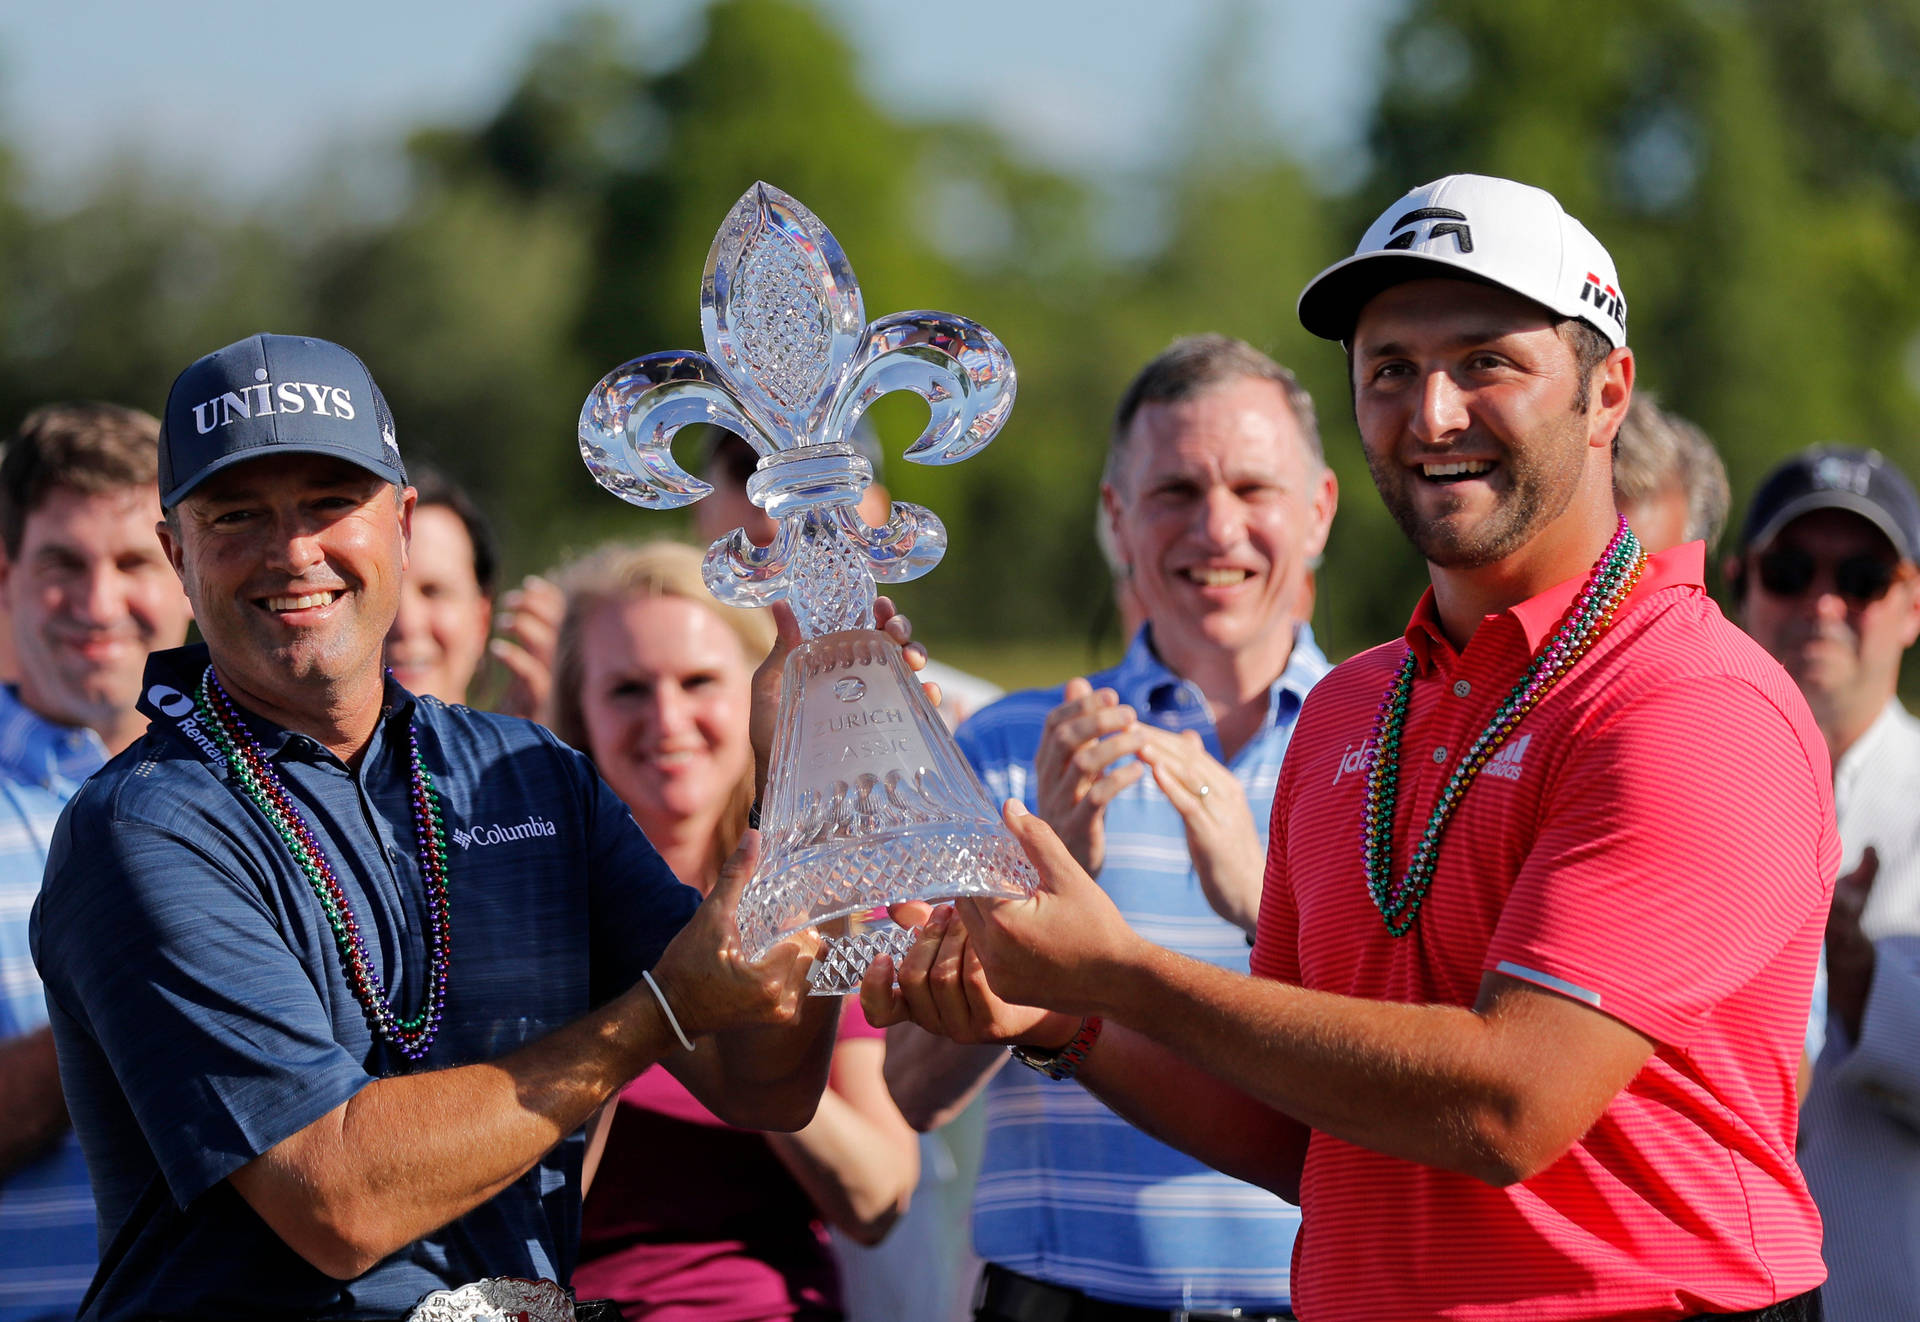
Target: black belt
1800, 1308
1007, 1296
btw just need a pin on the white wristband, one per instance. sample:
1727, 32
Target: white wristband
666, 1009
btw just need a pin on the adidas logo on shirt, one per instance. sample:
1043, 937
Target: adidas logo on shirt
1506, 762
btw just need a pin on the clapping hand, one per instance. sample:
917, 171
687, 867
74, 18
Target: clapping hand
1222, 837
1084, 760
529, 626
1850, 954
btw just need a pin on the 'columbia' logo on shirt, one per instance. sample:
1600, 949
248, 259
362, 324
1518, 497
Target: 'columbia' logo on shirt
1506, 763
498, 834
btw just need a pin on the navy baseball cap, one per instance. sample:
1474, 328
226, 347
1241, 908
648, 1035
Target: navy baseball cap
1828, 477
273, 394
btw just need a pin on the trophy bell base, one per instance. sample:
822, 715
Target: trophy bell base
931, 862
868, 803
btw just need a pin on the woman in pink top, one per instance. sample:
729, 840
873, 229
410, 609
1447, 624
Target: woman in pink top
688, 1218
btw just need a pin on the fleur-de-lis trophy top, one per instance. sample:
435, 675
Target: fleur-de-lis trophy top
791, 364
867, 800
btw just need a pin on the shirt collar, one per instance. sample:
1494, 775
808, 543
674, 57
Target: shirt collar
1145, 682
42, 752
1684, 565
173, 678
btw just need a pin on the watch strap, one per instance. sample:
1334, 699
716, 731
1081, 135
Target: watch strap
1065, 1062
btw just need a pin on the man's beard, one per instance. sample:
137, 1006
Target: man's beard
1540, 488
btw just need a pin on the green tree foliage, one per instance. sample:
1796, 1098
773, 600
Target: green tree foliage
105, 301
1752, 167
643, 165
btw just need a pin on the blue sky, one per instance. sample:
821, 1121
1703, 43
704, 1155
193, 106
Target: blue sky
235, 99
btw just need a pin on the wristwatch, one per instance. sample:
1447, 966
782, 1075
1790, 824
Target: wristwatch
1065, 1062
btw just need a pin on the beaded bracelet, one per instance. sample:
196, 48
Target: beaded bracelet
666, 1009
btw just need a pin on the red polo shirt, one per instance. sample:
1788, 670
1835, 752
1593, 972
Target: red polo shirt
1656, 838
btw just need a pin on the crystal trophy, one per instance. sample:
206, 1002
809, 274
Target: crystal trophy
868, 802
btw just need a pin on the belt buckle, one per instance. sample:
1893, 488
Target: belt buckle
497, 1299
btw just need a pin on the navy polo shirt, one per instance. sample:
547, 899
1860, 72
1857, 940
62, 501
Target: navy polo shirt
202, 1015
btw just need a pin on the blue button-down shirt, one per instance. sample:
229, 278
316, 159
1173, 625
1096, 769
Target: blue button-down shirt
202, 1014
1070, 1193
47, 1249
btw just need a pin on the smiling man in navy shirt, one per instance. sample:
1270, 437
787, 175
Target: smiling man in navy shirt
337, 973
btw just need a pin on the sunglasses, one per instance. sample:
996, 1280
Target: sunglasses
1860, 579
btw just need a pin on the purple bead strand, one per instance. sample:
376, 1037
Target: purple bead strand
1608, 585
261, 785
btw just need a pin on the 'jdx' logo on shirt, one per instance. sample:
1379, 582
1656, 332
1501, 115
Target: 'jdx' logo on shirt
1354, 761
497, 834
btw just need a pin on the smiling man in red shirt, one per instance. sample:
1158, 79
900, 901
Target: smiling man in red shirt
1547, 874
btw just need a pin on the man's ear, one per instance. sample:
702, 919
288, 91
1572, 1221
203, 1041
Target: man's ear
1614, 395
1326, 499
1110, 512
170, 544
406, 496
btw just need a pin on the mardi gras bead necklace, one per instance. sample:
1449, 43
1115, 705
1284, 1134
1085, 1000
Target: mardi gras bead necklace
262, 786
1611, 580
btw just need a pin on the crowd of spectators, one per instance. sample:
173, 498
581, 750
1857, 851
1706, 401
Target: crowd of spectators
576, 1117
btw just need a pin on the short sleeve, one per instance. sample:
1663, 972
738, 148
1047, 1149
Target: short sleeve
1686, 840
635, 902
176, 971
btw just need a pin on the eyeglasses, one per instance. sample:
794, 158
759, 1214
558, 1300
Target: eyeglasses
1860, 579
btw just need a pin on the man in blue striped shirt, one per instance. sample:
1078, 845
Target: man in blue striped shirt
89, 593
1160, 775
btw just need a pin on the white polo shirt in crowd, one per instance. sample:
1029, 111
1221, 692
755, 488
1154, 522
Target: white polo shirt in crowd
1860, 1127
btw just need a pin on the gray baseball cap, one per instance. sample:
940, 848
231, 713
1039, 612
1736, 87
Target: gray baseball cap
273, 394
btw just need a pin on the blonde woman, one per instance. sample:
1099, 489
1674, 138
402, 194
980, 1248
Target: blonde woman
688, 1218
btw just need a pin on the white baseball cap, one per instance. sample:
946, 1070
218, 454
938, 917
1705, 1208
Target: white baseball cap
1474, 227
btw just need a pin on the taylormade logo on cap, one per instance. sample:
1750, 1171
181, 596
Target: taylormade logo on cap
1493, 230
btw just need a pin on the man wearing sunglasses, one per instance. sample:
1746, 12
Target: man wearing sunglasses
1826, 581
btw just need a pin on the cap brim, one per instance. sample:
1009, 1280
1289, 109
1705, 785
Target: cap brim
1830, 499
1330, 304
394, 472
